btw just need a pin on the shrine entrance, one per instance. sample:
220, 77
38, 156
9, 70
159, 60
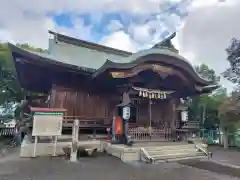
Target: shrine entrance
153, 115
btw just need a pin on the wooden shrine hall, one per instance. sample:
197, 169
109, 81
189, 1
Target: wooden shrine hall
89, 80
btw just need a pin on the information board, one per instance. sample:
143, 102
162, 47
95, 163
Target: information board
47, 124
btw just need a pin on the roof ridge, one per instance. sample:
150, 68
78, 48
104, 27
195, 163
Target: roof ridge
87, 44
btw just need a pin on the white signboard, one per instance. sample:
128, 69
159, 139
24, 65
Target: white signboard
47, 125
184, 115
126, 113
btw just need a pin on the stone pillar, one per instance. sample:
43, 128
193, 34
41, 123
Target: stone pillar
74, 148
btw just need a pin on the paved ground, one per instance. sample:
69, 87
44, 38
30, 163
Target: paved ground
230, 156
100, 168
106, 168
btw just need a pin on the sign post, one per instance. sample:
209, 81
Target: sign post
47, 122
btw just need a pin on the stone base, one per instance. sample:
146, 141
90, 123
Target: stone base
73, 157
46, 148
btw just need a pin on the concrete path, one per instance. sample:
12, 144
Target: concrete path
100, 168
230, 156
106, 168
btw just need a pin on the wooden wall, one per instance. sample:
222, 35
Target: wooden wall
101, 107
83, 105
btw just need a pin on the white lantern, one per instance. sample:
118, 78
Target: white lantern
164, 96
126, 113
184, 115
146, 94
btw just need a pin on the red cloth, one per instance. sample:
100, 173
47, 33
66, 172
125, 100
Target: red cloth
118, 125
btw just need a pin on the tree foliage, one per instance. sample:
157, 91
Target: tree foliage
209, 74
230, 109
233, 57
10, 90
204, 108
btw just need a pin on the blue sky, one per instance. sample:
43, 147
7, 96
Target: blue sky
99, 25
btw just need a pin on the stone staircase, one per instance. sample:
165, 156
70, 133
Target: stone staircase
171, 153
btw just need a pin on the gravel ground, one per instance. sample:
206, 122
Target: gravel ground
101, 168
230, 156
105, 168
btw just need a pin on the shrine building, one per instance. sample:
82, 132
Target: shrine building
88, 80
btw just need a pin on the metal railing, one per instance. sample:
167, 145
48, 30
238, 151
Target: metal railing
7, 131
150, 133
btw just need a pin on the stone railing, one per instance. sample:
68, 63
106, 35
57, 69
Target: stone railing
144, 156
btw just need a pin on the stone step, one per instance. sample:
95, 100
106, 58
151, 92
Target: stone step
182, 147
159, 152
179, 159
176, 155
170, 149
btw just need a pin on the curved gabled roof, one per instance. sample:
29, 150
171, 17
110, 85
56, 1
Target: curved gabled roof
163, 49
138, 58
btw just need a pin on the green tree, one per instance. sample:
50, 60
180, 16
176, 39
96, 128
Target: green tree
10, 89
230, 110
204, 108
209, 74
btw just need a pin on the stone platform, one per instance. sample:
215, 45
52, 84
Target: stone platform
154, 152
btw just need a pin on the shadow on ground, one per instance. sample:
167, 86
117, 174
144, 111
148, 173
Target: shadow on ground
213, 167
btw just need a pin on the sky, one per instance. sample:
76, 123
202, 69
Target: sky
204, 27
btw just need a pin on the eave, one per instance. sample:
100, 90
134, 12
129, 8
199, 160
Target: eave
42, 59
42, 65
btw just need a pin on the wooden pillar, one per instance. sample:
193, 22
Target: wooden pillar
150, 112
173, 122
52, 102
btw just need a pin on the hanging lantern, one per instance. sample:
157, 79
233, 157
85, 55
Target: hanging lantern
164, 96
146, 94
140, 93
153, 96
159, 96
143, 94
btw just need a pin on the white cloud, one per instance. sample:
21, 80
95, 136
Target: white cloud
202, 39
27, 21
207, 33
141, 33
59, 6
120, 40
